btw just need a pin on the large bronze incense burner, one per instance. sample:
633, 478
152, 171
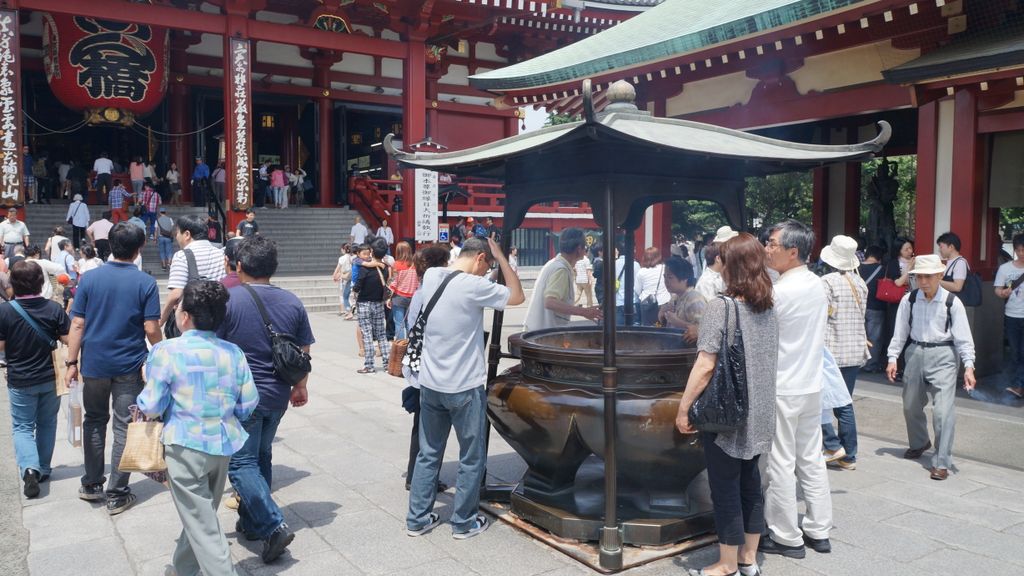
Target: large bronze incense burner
550, 409
591, 410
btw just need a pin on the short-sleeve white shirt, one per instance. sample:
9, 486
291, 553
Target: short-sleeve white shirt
209, 263
1015, 303
103, 166
801, 307
13, 233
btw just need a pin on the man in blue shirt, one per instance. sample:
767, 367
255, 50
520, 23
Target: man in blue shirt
259, 517
200, 182
116, 309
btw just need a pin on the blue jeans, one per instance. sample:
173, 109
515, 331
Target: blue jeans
34, 423
847, 437
399, 312
874, 325
150, 219
166, 246
346, 294
250, 473
620, 315
1014, 328
439, 413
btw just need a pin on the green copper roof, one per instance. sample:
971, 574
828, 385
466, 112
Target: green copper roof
669, 29
998, 48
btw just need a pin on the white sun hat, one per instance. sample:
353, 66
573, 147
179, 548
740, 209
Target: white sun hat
841, 254
928, 264
724, 234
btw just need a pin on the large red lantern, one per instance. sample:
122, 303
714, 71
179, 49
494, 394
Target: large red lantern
113, 71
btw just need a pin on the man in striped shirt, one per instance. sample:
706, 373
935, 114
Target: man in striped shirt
191, 236
150, 206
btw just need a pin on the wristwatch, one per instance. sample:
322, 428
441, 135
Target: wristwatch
69, 363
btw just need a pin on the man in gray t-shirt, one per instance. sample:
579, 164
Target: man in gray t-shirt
452, 382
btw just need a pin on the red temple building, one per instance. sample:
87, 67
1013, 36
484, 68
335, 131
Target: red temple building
948, 75
312, 84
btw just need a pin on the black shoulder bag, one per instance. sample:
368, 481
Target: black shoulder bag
722, 407
291, 362
171, 326
415, 349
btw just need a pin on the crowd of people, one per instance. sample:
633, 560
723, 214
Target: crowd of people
808, 329
46, 179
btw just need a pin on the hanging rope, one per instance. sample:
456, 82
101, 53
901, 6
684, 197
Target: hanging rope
73, 128
203, 129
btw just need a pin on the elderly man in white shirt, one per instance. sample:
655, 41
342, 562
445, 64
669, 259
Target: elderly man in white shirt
14, 232
357, 235
710, 284
802, 310
935, 321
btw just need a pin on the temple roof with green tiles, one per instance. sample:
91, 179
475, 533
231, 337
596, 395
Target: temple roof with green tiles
988, 50
669, 29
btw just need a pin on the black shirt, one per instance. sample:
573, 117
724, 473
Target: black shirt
368, 287
247, 229
29, 362
873, 272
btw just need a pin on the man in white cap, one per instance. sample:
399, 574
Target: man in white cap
935, 322
802, 312
710, 283
846, 339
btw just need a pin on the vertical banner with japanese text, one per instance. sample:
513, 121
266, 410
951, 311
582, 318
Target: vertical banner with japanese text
11, 162
238, 111
426, 205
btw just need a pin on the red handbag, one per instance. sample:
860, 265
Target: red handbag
888, 291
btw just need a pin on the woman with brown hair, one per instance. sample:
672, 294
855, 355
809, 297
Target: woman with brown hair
404, 283
732, 456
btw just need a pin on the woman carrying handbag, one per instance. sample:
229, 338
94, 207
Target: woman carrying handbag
202, 388
740, 325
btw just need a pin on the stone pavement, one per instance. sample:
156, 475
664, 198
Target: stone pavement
338, 470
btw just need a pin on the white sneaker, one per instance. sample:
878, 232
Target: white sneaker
434, 521
479, 526
833, 455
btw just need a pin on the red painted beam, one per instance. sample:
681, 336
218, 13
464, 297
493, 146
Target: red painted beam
812, 106
1003, 121
217, 24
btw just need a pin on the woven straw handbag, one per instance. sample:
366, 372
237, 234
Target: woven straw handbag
143, 448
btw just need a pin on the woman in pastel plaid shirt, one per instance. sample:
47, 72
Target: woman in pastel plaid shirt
202, 388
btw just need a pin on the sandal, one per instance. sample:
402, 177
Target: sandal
366, 371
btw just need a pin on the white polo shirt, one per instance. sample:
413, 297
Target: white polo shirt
802, 311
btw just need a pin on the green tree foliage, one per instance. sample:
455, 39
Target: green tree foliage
775, 198
556, 119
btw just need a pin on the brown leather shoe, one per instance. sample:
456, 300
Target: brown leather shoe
939, 473
915, 453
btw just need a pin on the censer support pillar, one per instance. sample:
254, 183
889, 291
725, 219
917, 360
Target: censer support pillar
611, 534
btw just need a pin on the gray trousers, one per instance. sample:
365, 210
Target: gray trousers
197, 482
931, 372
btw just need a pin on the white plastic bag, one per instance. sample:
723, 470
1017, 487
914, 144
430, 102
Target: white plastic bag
833, 392
73, 410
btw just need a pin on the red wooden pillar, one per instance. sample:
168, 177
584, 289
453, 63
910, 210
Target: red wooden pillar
325, 147
851, 198
238, 122
180, 119
413, 126
12, 162
966, 209
819, 208
927, 158
433, 126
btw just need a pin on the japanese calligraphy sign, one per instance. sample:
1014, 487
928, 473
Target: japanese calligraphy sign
11, 168
91, 63
238, 112
425, 225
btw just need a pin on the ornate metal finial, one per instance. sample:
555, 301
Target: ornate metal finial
621, 97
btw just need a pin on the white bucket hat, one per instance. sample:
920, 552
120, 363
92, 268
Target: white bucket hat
841, 254
724, 234
928, 264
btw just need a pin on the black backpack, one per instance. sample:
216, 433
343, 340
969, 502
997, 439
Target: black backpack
970, 294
